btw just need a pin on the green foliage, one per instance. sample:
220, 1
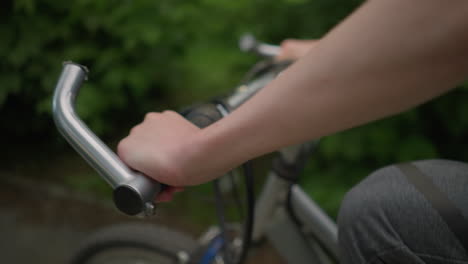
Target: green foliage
145, 55
141, 54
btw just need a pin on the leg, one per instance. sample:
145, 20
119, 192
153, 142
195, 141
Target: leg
384, 219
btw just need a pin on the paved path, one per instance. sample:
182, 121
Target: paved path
45, 223
44, 226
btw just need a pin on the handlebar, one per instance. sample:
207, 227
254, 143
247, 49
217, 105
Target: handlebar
134, 193
249, 43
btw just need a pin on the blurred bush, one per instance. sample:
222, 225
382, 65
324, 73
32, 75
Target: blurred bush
141, 53
166, 53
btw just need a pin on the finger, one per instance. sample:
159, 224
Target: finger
168, 194
164, 197
285, 51
178, 189
293, 49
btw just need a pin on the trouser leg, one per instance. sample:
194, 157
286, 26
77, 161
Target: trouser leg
384, 219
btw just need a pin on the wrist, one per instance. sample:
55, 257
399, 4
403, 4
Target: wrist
193, 160
206, 156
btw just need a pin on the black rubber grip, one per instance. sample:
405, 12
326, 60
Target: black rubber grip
202, 115
127, 200
137, 195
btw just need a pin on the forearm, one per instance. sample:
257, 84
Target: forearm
387, 57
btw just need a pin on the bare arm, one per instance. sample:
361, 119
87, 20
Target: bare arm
389, 56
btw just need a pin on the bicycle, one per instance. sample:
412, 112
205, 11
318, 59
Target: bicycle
284, 214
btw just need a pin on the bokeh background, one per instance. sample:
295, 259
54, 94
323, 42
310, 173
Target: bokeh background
150, 55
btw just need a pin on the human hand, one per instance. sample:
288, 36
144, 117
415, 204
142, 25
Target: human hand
159, 147
293, 49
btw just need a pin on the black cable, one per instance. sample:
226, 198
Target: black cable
258, 69
221, 219
249, 184
236, 195
249, 221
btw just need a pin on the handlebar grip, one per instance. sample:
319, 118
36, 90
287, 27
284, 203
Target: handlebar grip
134, 193
248, 43
202, 115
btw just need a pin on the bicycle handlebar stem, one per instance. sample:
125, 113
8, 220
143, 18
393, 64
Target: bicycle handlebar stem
134, 193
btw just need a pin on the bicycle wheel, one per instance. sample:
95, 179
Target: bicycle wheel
135, 243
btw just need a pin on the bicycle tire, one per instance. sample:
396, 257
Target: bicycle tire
135, 243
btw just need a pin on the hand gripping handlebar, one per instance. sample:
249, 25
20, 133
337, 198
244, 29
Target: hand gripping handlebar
134, 193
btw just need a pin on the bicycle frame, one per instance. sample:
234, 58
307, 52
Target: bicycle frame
289, 222
287, 236
284, 213
295, 224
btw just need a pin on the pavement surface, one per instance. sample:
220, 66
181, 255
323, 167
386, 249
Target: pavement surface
45, 223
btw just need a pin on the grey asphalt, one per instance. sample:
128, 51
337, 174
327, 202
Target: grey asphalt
45, 223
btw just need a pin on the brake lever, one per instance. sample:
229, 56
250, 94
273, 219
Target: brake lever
134, 193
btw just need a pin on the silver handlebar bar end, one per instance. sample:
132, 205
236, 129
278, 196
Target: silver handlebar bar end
134, 193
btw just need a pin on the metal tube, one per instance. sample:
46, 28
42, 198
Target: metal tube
321, 225
272, 196
246, 91
134, 193
268, 50
249, 43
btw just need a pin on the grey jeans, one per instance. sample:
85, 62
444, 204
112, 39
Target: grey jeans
385, 219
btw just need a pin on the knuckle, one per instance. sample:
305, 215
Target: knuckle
285, 44
134, 129
151, 115
169, 113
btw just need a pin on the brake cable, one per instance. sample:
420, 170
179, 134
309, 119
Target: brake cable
248, 225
